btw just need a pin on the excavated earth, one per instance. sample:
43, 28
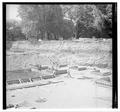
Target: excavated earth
88, 84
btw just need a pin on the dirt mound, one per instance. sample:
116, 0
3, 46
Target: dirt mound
92, 53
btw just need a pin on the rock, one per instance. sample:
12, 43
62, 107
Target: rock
96, 70
10, 106
102, 65
107, 73
25, 80
36, 79
63, 65
62, 71
82, 68
48, 76
74, 67
44, 67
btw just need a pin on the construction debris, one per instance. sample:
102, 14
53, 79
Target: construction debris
106, 82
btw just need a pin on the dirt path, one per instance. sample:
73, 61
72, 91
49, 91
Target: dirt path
76, 92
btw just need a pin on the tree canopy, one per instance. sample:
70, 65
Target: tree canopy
41, 21
92, 20
13, 31
56, 21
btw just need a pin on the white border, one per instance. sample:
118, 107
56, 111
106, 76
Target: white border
57, 110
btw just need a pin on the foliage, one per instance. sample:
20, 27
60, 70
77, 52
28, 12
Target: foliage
67, 29
89, 21
102, 8
47, 21
70, 11
94, 21
13, 31
39, 20
107, 30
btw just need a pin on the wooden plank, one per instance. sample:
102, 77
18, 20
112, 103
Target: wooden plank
13, 82
57, 72
48, 76
25, 80
36, 79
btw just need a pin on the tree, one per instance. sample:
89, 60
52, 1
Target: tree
67, 29
55, 20
95, 19
106, 10
102, 8
48, 21
13, 31
39, 20
30, 16
92, 20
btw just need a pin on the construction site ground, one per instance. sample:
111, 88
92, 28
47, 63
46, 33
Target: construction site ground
78, 91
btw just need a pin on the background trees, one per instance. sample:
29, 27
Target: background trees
94, 20
41, 21
13, 31
66, 21
90, 20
